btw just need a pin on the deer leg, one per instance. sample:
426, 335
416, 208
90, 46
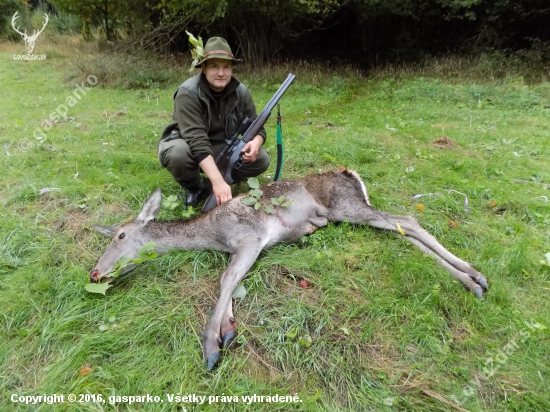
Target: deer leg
464, 278
360, 212
240, 263
409, 227
228, 327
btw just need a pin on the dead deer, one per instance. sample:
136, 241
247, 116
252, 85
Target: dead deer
243, 232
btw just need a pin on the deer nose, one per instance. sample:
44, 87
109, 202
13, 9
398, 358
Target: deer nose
94, 276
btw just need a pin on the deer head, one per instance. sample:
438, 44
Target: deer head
29, 40
127, 239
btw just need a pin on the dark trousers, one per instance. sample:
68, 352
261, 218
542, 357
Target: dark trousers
176, 156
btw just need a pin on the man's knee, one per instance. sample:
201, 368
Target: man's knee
175, 153
256, 168
176, 157
263, 161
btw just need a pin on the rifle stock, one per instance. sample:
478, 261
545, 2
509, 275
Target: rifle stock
231, 155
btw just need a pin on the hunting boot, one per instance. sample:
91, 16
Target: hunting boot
197, 193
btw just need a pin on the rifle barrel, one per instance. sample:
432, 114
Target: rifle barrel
279, 93
264, 114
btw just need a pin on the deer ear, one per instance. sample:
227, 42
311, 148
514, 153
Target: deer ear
151, 207
106, 230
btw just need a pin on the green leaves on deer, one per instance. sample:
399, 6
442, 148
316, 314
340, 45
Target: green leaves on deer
254, 195
253, 183
254, 198
280, 201
249, 201
270, 210
145, 253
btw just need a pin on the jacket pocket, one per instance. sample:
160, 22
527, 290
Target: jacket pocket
163, 151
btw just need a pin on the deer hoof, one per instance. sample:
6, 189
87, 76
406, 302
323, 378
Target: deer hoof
480, 280
229, 337
478, 292
212, 359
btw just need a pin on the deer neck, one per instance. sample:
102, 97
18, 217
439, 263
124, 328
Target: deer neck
194, 234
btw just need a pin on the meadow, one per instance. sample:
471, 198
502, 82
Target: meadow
381, 326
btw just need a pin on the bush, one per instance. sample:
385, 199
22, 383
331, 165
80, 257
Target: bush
60, 24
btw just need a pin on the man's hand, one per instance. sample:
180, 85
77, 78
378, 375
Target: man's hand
252, 149
220, 188
222, 191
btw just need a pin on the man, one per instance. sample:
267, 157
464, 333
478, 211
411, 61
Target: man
208, 108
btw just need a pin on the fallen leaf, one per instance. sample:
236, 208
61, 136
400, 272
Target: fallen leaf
98, 287
291, 333
85, 370
239, 292
304, 284
452, 224
493, 204
420, 207
305, 341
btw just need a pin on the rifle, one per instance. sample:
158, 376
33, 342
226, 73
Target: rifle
231, 157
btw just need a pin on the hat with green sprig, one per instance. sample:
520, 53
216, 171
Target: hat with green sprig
216, 48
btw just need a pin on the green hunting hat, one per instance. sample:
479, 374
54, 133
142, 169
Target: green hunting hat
217, 48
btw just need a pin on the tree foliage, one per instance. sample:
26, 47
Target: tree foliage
261, 30
7, 10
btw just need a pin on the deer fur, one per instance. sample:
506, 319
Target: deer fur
243, 232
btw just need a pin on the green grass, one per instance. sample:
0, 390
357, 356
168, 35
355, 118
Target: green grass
391, 330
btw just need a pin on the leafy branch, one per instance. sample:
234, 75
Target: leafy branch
254, 198
172, 202
197, 52
145, 253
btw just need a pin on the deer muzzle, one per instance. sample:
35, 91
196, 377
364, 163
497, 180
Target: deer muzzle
94, 276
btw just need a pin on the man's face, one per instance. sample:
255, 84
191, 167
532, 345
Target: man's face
218, 72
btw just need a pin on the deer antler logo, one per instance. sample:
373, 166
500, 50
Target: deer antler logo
29, 40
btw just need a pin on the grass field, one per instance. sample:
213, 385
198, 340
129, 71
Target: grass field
391, 330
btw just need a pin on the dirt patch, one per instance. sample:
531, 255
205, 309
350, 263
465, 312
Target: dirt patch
444, 142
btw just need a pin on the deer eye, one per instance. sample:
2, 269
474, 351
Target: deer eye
122, 236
